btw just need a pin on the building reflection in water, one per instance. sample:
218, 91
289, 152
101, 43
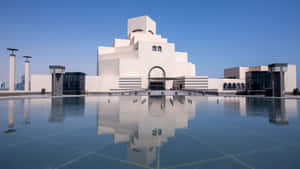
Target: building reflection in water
145, 123
62, 107
277, 110
278, 114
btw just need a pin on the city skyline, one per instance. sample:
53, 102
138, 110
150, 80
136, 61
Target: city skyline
216, 35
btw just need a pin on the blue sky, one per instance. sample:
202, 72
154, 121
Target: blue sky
216, 33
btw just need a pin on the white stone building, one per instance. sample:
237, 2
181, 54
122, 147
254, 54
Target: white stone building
143, 60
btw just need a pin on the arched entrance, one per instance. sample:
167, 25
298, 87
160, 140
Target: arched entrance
157, 78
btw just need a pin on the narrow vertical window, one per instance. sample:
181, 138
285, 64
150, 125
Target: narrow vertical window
159, 132
154, 132
243, 85
159, 48
154, 48
225, 86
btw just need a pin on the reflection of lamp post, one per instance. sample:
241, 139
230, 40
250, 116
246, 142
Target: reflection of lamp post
11, 117
12, 68
26, 111
26, 87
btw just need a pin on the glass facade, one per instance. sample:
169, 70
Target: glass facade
258, 80
74, 83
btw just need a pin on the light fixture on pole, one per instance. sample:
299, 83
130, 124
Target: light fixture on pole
26, 85
12, 68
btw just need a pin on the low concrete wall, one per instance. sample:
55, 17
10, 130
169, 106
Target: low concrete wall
20, 93
100, 83
39, 82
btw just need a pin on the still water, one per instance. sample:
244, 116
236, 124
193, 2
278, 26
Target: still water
170, 132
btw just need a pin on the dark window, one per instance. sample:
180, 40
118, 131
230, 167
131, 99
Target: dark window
150, 32
138, 30
154, 48
159, 132
154, 132
224, 86
243, 86
234, 86
159, 48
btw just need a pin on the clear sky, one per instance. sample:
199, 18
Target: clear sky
216, 33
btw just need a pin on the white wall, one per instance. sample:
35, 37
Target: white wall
92, 83
110, 67
38, 82
143, 22
215, 84
181, 57
121, 42
135, 37
101, 83
290, 78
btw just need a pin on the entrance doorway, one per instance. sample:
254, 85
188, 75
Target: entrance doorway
157, 85
157, 78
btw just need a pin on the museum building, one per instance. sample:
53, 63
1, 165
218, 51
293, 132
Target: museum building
146, 60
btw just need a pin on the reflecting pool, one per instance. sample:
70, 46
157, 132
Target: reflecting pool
170, 132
